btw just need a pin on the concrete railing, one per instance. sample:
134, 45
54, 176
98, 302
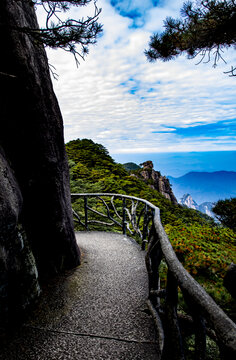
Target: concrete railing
203, 317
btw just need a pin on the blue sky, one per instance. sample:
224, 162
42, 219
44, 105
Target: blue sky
214, 130
119, 99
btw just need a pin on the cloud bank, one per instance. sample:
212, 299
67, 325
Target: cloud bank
129, 105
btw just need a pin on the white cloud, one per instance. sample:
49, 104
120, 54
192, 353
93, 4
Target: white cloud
117, 98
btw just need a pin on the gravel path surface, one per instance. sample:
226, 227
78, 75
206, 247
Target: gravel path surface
97, 311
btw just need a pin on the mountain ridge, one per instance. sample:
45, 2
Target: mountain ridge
205, 186
205, 208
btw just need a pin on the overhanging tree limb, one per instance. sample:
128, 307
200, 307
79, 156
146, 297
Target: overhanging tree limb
70, 35
204, 29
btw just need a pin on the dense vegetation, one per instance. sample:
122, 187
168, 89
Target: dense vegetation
204, 248
93, 170
131, 166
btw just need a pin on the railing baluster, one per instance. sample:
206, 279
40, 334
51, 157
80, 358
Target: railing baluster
124, 216
145, 225
155, 255
86, 212
200, 337
218, 325
199, 328
173, 347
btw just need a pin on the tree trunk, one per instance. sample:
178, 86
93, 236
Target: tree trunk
31, 134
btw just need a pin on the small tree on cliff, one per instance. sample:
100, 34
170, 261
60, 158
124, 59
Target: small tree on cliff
225, 211
73, 35
205, 29
35, 210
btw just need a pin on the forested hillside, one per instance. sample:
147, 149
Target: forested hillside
92, 169
202, 246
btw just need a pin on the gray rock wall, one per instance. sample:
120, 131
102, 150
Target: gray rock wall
36, 215
18, 273
31, 134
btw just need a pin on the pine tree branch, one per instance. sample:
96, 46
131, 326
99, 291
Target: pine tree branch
205, 30
66, 34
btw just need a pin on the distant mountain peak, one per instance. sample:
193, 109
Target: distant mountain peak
205, 207
205, 186
188, 201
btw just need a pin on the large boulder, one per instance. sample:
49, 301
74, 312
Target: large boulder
31, 134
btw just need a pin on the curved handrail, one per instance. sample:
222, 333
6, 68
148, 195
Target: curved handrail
124, 224
202, 306
224, 327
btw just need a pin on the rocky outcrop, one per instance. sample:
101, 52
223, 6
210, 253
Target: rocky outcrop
31, 134
156, 181
205, 208
188, 201
18, 272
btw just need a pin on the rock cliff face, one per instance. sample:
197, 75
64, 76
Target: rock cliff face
36, 195
18, 272
189, 202
157, 181
205, 207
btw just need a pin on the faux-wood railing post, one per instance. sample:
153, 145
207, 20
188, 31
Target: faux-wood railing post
153, 260
86, 212
199, 328
216, 323
200, 337
173, 339
145, 224
124, 217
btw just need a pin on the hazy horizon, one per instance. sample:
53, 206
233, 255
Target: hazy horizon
177, 164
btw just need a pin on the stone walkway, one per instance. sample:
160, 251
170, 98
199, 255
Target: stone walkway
97, 311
